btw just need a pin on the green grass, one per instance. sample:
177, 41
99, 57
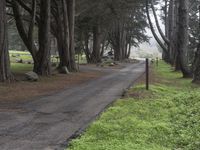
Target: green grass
17, 55
21, 68
26, 57
167, 117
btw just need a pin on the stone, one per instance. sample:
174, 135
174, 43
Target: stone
64, 70
32, 76
111, 64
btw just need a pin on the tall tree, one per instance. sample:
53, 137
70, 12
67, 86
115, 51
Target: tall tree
183, 37
43, 66
63, 29
5, 73
196, 77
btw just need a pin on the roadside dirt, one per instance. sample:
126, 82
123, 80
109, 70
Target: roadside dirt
140, 94
23, 90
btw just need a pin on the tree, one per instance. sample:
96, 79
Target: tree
43, 66
183, 36
117, 24
63, 29
196, 77
5, 73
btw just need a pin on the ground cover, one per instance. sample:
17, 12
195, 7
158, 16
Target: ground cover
164, 118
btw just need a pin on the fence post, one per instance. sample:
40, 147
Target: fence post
147, 74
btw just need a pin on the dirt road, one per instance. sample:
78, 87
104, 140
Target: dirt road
46, 123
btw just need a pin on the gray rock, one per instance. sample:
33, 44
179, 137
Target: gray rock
32, 76
64, 70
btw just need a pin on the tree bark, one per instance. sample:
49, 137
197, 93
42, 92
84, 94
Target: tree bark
43, 67
26, 36
158, 25
196, 65
183, 37
96, 53
152, 29
86, 47
5, 73
71, 16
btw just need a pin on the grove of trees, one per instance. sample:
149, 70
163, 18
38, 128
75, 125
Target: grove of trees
181, 40
114, 24
92, 26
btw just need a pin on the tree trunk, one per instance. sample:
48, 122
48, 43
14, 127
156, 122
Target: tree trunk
86, 47
171, 31
153, 30
196, 65
61, 34
5, 73
43, 67
128, 51
96, 54
158, 25
26, 36
183, 37
71, 16
196, 77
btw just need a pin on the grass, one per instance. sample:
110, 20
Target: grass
21, 68
26, 57
167, 117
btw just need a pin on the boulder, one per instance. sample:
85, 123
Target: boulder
32, 76
64, 70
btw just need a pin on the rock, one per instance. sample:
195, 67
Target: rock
64, 70
32, 76
111, 64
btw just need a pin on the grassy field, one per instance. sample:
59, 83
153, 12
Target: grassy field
26, 57
167, 117
21, 68
27, 61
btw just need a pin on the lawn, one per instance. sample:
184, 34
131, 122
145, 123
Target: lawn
167, 117
21, 68
26, 57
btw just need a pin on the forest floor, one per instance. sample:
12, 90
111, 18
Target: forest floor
165, 117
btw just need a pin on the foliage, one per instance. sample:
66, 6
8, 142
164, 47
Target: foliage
166, 117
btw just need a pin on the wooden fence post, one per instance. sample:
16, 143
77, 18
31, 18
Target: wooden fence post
147, 74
